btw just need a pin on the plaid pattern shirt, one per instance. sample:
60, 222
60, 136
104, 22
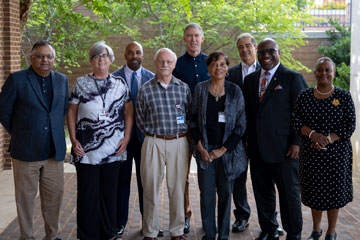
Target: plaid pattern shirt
159, 110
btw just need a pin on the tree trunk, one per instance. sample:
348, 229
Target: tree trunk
24, 12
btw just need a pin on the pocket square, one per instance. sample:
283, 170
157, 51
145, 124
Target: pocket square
278, 87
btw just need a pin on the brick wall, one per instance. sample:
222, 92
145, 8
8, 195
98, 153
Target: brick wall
307, 55
9, 60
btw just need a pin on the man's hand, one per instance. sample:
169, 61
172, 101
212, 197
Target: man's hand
293, 151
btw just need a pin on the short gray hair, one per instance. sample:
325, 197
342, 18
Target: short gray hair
193, 25
98, 47
165, 50
246, 35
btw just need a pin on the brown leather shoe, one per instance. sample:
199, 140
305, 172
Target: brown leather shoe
181, 237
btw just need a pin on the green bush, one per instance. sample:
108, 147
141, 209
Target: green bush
339, 52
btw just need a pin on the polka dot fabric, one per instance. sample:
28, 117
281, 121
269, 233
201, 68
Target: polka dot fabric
326, 175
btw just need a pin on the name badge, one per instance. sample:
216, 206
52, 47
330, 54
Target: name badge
180, 120
221, 117
103, 116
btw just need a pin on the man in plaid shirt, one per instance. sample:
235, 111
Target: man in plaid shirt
162, 106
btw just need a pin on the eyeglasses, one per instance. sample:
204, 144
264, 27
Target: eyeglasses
41, 56
221, 65
162, 62
270, 51
104, 56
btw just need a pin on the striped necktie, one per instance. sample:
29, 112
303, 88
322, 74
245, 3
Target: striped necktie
263, 85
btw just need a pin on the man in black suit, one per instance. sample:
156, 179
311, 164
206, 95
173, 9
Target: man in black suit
33, 103
246, 45
273, 146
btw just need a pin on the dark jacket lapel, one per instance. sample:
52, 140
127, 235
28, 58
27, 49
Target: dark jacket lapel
35, 85
273, 83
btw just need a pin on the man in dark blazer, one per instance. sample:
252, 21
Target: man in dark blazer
33, 103
135, 75
246, 45
273, 146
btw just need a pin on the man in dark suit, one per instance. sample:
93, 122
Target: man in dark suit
33, 103
273, 146
246, 45
135, 75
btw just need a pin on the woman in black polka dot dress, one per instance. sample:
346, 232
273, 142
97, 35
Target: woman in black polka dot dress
325, 117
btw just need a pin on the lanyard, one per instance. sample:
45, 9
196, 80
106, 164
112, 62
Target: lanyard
102, 97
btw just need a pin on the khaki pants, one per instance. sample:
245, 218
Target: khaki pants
48, 176
155, 155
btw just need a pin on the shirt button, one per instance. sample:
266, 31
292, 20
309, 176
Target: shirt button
194, 59
195, 65
45, 128
197, 75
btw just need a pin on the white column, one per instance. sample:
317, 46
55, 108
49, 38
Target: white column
355, 78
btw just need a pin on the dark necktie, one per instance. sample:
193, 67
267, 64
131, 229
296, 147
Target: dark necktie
264, 84
134, 87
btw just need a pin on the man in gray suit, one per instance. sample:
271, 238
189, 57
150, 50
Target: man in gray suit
33, 103
135, 75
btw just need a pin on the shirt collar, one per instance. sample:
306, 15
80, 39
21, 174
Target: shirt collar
128, 70
39, 76
173, 80
197, 58
271, 71
244, 65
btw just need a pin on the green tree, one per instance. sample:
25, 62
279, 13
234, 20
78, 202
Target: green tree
70, 31
158, 23
339, 52
222, 22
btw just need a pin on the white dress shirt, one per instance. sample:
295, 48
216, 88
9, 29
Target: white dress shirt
246, 69
128, 74
271, 71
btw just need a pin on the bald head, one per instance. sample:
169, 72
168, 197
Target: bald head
268, 53
134, 55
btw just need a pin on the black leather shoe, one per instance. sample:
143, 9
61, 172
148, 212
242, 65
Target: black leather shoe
121, 231
330, 236
187, 225
315, 235
161, 233
266, 236
240, 226
280, 231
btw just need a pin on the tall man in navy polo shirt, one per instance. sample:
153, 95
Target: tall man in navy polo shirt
191, 68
